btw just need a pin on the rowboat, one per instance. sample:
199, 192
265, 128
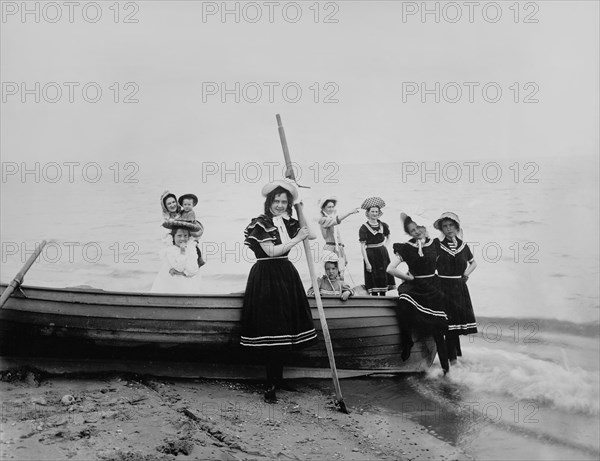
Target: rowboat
86, 329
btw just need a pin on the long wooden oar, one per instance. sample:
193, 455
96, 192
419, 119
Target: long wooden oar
311, 268
12, 286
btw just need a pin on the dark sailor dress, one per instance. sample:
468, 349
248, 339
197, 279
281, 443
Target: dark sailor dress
451, 264
422, 296
276, 316
420, 300
378, 281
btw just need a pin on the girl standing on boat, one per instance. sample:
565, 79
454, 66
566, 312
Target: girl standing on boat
328, 221
374, 238
180, 269
276, 317
420, 300
454, 265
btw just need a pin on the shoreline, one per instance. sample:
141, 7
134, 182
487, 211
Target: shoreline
139, 418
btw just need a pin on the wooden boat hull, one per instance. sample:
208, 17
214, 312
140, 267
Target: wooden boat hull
201, 333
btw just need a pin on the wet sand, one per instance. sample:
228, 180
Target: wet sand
129, 417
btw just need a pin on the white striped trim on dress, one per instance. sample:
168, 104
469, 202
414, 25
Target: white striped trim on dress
379, 229
423, 309
451, 251
376, 245
330, 292
268, 239
258, 223
464, 326
280, 340
450, 276
426, 244
423, 276
381, 290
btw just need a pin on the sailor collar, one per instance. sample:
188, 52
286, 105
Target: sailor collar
379, 229
444, 246
413, 243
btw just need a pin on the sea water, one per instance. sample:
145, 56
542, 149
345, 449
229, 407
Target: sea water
527, 386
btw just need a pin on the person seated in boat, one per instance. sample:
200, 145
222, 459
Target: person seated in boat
419, 302
331, 285
328, 221
179, 272
276, 316
455, 264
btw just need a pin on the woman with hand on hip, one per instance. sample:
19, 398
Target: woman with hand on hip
276, 317
374, 237
420, 300
454, 265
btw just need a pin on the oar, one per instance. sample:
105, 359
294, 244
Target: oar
19, 277
311, 268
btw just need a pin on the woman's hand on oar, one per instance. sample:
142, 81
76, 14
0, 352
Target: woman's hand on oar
313, 276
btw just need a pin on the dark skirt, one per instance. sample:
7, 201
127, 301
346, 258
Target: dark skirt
378, 280
420, 303
276, 316
457, 305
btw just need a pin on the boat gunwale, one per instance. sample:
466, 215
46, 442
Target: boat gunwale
377, 301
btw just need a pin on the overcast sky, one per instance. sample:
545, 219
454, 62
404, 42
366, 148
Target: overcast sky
371, 65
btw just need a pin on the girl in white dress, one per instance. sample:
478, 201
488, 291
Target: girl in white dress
179, 272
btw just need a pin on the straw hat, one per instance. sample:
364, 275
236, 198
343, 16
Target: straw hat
287, 184
328, 198
447, 215
192, 226
330, 257
406, 220
191, 196
371, 202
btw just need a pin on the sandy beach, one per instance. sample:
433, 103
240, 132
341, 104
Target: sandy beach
130, 417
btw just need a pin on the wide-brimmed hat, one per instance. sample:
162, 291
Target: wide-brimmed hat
192, 196
371, 202
192, 226
327, 198
330, 257
287, 184
447, 215
406, 220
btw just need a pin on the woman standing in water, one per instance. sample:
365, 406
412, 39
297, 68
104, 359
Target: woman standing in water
454, 265
374, 237
420, 302
276, 317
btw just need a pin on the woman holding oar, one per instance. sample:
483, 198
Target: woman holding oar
276, 316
